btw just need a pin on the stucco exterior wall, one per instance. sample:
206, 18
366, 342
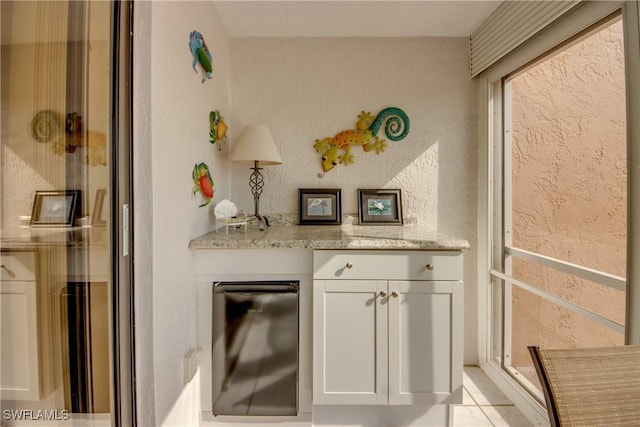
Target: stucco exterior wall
569, 190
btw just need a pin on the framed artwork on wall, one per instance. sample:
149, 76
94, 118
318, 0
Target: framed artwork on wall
319, 206
380, 206
55, 208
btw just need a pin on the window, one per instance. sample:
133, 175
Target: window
558, 235
565, 201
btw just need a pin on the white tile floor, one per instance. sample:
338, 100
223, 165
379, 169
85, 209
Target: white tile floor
483, 404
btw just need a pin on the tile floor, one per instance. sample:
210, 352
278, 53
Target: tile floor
483, 404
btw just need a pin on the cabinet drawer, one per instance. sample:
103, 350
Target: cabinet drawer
18, 266
387, 265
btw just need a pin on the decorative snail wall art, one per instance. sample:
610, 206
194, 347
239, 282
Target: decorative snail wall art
67, 134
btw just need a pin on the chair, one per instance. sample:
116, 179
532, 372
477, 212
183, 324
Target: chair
590, 387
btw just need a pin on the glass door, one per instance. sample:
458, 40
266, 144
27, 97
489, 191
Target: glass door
61, 186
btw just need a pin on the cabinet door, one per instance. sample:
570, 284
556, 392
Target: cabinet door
350, 342
425, 342
18, 341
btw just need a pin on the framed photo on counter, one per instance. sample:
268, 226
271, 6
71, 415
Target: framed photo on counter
319, 206
380, 206
100, 208
55, 208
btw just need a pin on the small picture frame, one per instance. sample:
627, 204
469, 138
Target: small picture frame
319, 206
380, 206
55, 208
100, 209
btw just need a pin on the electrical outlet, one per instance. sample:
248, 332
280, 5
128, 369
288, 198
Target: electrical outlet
190, 365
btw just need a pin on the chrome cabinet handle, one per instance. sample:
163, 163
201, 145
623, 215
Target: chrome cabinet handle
394, 294
349, 265
383, 294
430, 267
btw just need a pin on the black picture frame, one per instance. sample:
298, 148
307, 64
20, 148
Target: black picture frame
319, 206
100, 212
58, 208
380, 206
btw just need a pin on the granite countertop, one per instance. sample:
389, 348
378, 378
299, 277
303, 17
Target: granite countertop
44, 238
408, 237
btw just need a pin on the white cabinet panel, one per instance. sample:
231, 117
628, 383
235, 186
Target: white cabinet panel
348, 324
19, 346
25, 331
387, 341
17, 266
425, 352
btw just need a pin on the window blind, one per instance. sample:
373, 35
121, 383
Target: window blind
511, 24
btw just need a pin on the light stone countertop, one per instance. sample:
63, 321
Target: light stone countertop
408, 237
30, 239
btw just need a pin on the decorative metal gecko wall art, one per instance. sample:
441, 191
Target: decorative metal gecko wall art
201, 54
337, 150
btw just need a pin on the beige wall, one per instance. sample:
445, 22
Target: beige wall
569, 190
305, 89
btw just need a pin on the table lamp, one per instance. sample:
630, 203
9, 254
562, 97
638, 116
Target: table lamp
255, 146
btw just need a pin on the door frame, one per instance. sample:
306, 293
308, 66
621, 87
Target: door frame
124, 406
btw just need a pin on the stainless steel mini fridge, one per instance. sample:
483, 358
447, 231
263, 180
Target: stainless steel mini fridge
255, 348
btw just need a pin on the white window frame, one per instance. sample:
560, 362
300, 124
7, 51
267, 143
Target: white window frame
491, 187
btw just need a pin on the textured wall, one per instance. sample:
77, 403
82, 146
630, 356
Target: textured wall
173, 133
569, 189
305, 89
302, 89
143, 217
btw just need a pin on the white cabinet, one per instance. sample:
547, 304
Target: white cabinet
19, 369
388, 327
425, 342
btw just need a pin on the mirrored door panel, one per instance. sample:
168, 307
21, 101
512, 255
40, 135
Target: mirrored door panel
57, 77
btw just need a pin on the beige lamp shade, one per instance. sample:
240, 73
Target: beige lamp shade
256, 144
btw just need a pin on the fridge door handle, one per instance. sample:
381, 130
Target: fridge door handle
255, 288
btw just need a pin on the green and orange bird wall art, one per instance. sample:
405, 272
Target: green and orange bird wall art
201, 54
337, 150
203, 183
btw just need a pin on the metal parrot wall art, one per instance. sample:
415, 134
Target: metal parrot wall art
218, 127
203, 183
201, 54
